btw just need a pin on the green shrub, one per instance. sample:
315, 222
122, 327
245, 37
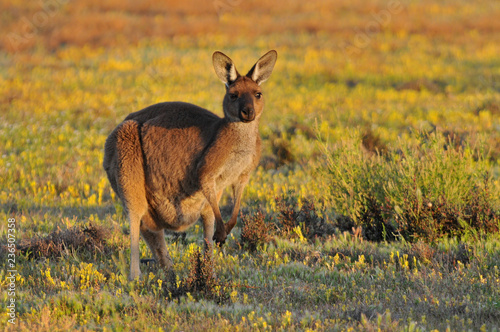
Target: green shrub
424, 187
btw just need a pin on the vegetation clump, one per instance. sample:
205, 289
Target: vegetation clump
306, 219
201, 283
81, 239
256, 231
411, 192
430, 219
373, 143
374, 222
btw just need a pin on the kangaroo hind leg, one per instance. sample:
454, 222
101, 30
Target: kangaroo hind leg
131, 185
155, 239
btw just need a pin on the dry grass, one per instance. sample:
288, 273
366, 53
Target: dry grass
53, 24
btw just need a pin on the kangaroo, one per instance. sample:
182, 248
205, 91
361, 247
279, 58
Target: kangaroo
170, 162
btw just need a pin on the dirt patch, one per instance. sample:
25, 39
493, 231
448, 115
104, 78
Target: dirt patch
422, 84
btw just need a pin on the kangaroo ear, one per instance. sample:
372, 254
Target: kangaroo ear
224, 68
261, 71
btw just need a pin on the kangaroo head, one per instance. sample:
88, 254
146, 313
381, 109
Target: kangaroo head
243, 100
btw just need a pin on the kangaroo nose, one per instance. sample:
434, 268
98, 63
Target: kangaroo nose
247, 114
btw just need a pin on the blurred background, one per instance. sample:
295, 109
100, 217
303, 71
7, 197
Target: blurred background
52, 24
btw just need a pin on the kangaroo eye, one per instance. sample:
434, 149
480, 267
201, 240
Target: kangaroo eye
258, 95
233, 96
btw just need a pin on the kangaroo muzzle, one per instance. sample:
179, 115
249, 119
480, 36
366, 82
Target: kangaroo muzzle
247, 114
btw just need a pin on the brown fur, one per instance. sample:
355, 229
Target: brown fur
170, 162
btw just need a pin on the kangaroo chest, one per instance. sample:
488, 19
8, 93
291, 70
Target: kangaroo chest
239, 162
236, 154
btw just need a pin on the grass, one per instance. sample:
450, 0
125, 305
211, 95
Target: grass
329, 285
376, 203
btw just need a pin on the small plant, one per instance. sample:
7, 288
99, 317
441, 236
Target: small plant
255, 231
422, 251
372, 142
201, 277
290, 217
201, 281
282, 150
445, 260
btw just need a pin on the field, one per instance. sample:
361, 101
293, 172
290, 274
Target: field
376, 205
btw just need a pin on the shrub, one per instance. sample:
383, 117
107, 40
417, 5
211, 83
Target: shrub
420, 189
291, 216
201, 281
281, 148
372, 142
255, 231
373, 220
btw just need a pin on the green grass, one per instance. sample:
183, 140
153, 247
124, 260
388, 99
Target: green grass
328, 285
